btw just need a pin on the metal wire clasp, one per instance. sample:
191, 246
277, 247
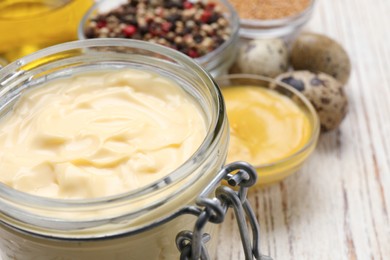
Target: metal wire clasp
191, 244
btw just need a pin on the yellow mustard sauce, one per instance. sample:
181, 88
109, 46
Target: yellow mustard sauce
265, 126
29, 25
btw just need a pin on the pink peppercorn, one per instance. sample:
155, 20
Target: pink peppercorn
188, 5
166, 26
210, 6
129, 30
101, 24
193, 53
206, 15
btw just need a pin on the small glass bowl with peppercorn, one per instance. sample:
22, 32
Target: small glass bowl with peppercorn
204, 30
272, 18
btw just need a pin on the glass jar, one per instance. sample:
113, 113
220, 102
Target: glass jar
216, 62
281, 168
29, 25
286, 28
141, 224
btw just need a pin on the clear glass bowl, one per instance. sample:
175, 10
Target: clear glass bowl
216, 62
278, 170
286, 28
139, 224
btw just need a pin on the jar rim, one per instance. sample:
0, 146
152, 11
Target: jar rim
213, 132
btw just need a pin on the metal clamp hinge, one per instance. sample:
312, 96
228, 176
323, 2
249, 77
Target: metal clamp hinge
191, 244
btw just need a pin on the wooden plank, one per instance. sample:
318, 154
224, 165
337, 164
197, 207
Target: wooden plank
337, 206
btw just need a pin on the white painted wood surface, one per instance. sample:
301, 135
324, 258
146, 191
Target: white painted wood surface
337, 206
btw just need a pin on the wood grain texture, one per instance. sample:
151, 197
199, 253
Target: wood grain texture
337, 206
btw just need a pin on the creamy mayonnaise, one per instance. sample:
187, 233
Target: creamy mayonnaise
98, 134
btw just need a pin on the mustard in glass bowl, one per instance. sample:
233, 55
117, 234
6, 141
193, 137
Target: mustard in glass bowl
272, 126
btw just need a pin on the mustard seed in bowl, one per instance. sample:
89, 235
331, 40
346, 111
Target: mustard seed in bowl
269, 9
283, 19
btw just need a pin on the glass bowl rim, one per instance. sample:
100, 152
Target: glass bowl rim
314, 135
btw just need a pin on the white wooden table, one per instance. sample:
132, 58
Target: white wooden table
338, 205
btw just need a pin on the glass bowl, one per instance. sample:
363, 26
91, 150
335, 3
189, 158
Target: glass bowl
138, 224
216, 62
286, 28
279, 169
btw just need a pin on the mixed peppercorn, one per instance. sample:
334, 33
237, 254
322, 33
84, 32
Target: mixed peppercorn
193, 28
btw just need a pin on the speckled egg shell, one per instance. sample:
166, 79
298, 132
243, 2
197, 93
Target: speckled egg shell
316, 52
324, 92
266, 57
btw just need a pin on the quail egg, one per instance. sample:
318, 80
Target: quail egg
316, 52
266, 57
324, 92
